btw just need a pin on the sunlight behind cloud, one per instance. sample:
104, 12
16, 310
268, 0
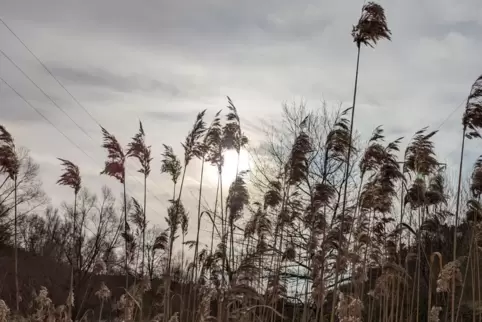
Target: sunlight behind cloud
231, 165
229, 168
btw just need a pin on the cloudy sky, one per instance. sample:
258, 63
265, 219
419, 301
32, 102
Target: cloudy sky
164, 61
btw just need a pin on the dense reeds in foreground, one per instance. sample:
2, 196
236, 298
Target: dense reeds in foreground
324, 227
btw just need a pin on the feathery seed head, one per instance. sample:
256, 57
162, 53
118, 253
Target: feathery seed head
472, 119
71, 176
420, 155
115, 164
9, 162
448, 272
476, 178
297, 167
4, 311
171, 164
138, 149
349, 309
137, 216
372, 26
193, 147
434, 314
238, 197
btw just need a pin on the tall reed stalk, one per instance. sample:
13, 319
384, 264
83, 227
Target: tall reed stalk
371, 27
115, 167
472, 123
71, 178
138, 149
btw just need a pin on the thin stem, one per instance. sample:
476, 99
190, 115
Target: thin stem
457, 206
126, 268
215, 214
74, 228
347, 173
17, 291
198, 220
171, 244
144, 241
144, 226
101, 308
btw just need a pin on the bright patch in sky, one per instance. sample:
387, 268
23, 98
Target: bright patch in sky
231, 165
229, 168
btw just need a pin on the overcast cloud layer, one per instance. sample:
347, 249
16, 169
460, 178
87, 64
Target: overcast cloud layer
164, 61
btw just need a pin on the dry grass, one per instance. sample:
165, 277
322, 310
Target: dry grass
323, 228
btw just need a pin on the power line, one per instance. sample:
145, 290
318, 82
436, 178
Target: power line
42, 115
450, 115
43, 92
51, 74
63, 111
61, 85
71, 95
55, 127
45, 67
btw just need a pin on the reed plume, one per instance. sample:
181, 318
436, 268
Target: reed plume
421, 162
476, 178
115, 167
71, 178
420, 156
472, 123
211, 136
171, 165
137, 216
193, 147
138, 149
379, 192
115, 164
233, 138
297, 167
215, 156
372, 26
237, 200
9, 163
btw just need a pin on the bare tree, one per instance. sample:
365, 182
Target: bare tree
30, 195
99, 232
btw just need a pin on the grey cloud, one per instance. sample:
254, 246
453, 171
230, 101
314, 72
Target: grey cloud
194, 52
187, 23
120, 83
15, 109
253, 126
169, 116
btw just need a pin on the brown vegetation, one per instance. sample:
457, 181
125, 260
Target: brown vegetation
323, 228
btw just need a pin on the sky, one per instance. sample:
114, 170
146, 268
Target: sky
164, 61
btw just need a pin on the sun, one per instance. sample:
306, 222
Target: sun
229, 168
231, 165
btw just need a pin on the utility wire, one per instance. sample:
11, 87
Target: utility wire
48, 71
65, 89
65, 113
43, 116
452, 113
42, 91
56, 128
